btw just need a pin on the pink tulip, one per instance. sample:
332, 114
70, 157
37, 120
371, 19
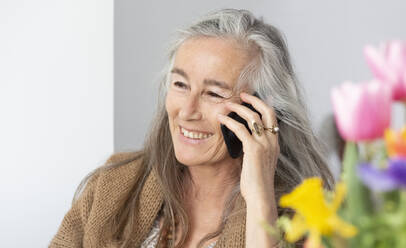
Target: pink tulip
388, 64
362, 111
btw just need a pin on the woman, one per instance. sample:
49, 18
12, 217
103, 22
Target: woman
183, 189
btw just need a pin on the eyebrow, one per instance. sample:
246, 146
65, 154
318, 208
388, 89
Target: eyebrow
207, 81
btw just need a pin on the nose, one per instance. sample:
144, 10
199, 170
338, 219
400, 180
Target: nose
190, 109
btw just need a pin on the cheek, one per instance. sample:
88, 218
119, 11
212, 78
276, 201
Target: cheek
219, 109
170, 105
212, 115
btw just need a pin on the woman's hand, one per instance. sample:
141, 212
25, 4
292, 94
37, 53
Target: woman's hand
258, 168
260, 152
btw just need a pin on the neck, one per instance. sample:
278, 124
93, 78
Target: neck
212, 183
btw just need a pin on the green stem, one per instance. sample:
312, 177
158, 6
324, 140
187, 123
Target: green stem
358, 199
401, 237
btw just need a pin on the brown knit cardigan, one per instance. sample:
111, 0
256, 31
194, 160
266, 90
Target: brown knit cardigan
82, 226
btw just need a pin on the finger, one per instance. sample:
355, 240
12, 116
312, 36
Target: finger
245, 113
238, 128
267, 112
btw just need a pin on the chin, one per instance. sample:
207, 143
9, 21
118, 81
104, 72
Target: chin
187, 158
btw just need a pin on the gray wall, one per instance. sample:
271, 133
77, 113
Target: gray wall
325, 39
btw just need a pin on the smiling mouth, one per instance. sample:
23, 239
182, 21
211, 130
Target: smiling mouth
194, 135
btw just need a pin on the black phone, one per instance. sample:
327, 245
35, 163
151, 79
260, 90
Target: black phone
234, 145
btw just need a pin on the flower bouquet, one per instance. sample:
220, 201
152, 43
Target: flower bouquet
368, 206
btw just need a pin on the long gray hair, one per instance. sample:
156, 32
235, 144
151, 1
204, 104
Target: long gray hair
270, 74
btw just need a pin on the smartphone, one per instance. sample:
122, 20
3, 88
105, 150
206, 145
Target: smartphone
234, 145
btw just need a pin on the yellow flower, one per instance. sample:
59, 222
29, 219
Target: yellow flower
314, 214
396, 142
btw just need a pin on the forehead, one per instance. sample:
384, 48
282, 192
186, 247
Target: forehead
220, 59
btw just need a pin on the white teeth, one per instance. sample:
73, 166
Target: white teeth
195, 135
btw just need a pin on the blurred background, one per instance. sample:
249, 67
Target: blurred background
78, 81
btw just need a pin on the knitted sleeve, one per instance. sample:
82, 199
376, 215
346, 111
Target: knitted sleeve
71, 230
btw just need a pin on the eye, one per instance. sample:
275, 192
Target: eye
214, 94
180, 84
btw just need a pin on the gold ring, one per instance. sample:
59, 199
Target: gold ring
257, 128
274, 129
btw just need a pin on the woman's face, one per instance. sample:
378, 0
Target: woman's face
204, 71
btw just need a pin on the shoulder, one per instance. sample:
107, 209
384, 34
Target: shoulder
120, 163
112, 186
111, 180
117, 170
120, 170
94, 203
116, 165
